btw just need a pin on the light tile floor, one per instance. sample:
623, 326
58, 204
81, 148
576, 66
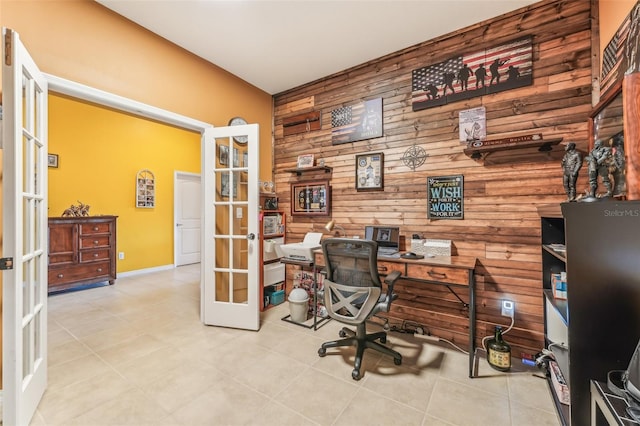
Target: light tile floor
135, 353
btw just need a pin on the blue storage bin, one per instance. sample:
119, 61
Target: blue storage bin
277, 297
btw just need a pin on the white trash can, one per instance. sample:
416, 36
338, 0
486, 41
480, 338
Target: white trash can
298, 304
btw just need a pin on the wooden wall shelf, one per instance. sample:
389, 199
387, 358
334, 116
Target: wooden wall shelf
298, 172
499, 153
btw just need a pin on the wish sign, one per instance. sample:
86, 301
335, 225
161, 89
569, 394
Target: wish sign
445, 197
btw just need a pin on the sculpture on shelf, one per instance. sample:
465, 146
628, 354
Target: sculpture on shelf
599, 163
81, 210
618, 171
571, 164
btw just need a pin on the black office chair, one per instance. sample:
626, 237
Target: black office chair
353, 294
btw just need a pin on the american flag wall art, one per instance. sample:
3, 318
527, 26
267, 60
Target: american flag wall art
478, 73
357, 122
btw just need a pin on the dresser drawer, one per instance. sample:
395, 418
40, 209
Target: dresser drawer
95, 241
61, 258
95, 228
438, 273
385, 268
79, 272
94, 255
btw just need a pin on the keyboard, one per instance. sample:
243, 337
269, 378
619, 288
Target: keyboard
388, 252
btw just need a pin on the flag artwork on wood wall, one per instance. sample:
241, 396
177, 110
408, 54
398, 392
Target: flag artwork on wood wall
482, 72
356, 122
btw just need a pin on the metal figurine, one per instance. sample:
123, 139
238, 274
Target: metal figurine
571, 164
618, 171
599, 163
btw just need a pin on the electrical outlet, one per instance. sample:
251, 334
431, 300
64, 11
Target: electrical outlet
121, 255
508, 308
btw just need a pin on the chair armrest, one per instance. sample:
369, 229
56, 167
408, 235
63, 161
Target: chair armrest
391, 278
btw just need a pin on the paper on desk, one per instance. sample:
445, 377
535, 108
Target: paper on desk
312, 238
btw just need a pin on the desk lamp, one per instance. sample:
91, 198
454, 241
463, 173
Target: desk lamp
332, 224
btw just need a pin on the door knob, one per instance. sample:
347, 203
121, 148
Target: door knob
251, 236
178, 224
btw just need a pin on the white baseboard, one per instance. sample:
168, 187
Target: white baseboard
145, 271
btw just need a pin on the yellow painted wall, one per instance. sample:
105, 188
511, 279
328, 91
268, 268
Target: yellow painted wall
100, 151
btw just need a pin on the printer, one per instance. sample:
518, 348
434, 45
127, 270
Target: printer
302, 251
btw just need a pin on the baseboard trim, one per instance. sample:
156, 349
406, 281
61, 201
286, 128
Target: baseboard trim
145, 271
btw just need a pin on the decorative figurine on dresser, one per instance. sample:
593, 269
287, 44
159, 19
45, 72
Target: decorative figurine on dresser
82, 250
571, 164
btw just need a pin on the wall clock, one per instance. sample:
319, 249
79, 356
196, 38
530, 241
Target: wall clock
238, 121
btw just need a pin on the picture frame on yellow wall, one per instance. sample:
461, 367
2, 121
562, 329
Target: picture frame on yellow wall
52, 160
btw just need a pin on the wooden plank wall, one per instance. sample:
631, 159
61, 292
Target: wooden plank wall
501, 226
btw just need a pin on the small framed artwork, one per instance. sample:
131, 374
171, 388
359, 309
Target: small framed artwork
311, 198
305, 161
52, 160
223, 154
370, 172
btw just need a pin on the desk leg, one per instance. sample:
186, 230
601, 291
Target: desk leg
472, 322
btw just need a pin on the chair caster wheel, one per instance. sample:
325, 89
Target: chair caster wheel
386, 326
341, 333
322, 352
355, 374
397, 361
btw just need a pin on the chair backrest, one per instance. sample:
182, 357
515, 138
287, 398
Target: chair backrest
352, 287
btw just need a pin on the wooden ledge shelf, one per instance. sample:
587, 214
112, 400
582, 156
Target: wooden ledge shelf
506, 151
298, 172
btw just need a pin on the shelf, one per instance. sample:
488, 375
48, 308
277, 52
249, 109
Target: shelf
560, 305
561, 255
273, 235
514, 150
298, 172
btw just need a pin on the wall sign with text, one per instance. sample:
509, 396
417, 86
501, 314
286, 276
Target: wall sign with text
445, 197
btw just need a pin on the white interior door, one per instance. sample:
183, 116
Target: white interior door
187, 208
24, 227
230, 257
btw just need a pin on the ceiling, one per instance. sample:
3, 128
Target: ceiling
278, 45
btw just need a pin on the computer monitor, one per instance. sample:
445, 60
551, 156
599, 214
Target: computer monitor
385, 236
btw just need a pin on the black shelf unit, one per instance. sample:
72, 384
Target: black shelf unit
556, 311
603, 293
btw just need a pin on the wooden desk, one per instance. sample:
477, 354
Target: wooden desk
449, 271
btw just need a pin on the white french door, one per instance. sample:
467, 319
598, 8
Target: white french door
24, 230
229, 265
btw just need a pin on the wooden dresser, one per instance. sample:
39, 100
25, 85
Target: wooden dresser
82, 250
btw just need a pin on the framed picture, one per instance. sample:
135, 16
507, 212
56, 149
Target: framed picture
52, 160
445, 197
223, 154
311, 198
370, 172
305, 161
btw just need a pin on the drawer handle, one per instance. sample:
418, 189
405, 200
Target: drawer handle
437, 275
382, 268
60, 275
95, 255
99, 269
96, 242
95, 228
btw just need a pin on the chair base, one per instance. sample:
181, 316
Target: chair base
361, 340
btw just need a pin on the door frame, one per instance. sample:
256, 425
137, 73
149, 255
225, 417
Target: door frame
176, 176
